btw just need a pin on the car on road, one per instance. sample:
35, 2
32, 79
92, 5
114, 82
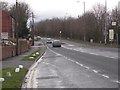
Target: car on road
56, 43
49, 41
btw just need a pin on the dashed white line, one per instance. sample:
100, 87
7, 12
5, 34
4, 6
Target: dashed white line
105, 76
117, 82
86, 67
95, 71
81, 65
77, 63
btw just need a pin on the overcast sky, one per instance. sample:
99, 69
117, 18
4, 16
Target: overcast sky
44, 9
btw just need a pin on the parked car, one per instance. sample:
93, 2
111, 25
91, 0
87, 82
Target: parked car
56, 43
7, 43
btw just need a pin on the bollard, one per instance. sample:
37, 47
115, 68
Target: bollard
17, 69
8, 74
2, 79
20, 66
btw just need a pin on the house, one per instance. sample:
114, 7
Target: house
7, 25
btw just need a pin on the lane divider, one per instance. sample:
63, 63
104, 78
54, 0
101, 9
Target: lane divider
86, 67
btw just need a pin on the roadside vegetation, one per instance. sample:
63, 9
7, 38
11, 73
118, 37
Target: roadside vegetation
112, 45
90, 25
34, 56
13, 81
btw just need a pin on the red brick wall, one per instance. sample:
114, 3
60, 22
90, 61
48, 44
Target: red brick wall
8, 23
0, 22
23, 46
5, 22
10, 51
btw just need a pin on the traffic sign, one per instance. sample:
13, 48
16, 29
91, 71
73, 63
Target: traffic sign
4, 35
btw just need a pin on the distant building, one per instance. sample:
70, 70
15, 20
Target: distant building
7, 24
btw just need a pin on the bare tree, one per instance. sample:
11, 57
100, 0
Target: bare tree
100, 11
23, 14
3, 6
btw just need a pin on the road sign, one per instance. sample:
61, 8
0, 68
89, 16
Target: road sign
4, 35
114, 23
111, 34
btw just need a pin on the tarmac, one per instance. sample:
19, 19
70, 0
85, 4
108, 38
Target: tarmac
17, 60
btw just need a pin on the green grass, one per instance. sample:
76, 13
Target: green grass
33, 56
15, 80
93, 44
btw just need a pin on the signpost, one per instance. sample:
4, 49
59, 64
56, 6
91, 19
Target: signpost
4, 35
60, 34
111, 35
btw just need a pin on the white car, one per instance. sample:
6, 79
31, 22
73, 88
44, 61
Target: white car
56, 43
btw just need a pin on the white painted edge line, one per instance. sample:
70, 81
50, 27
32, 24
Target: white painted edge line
29, 75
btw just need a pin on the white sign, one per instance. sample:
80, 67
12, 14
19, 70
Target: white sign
17, 69
119, 5
111, 34
4, 35
114, 23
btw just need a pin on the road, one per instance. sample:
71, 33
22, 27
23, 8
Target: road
76, 65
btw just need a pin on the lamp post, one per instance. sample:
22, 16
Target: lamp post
105, 32
32, 29
16, 28
84, 5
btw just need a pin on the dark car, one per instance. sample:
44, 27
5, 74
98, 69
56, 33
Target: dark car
56, 43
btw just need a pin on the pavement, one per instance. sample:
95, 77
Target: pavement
17, 60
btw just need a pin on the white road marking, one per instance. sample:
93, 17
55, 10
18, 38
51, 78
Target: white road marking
95, 71
77, 63
105, 76
81, 65
116, 81
87, 67
94, 52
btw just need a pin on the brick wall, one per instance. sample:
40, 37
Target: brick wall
10, 51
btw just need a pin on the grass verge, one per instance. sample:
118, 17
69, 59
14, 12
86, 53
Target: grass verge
16, 78
33, 56
94, 44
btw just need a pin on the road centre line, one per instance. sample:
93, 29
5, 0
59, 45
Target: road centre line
95, 71
105, 76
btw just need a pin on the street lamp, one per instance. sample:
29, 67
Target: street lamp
84, 19
16, 27
32, 29
105, 32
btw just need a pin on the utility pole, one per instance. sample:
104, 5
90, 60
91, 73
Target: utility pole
32, 29
84, 23
84, 5
16, 28
105, 32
